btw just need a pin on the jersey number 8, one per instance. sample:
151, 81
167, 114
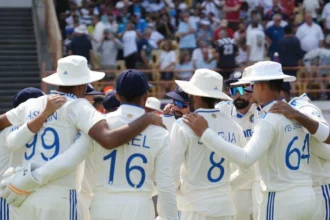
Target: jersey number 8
129, 169
55, 145
215, 165
291, 151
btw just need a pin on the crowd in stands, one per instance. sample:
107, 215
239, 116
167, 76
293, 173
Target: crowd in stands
178, 36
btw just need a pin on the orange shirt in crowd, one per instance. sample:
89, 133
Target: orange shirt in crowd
289, 6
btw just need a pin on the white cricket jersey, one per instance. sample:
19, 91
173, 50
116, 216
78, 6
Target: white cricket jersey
202, 176
8, 158
280, 146
168, 121
88, 182
320, 155
136, 166
57, 134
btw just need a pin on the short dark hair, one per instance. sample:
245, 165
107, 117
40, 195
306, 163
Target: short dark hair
288, 29
98, 100
275, 85
131, 99
210, 101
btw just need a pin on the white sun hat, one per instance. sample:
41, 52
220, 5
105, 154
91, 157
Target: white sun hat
246, 72
204, 83
81, 29
153, 103
72, 71
267, 71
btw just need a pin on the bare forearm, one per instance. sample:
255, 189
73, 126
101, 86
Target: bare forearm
310, 124
36, 123
4, 122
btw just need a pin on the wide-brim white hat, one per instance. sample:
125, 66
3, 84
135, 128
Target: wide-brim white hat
267, 71
72, 71
204, 83
246, 72
81, 29
153, 103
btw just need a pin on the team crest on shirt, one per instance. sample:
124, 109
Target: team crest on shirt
129, 116
214, 115
252, 118
65, 73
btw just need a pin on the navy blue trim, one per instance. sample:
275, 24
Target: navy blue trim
268, 103
265, 115
270, 206
206, 111
1, 209
133, 105
238, 115
4, 209
54, 92
73, 205
326, 197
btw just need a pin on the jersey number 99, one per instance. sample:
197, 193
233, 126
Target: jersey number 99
54, 146
129, 168
295, 152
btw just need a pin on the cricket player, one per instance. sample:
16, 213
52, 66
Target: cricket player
203, 191
175, 110
125, 176
58, 199
242, 110
110, 103
320, 154
14, 157
281, 147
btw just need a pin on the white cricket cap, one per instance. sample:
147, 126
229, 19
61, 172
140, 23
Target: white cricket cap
153, 103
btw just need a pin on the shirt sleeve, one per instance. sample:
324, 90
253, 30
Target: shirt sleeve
320, 150
320, 35
313, 112
179, 148
66, 162
259, 143
84, 115
164, 182
17, 115
173, 56
17, 138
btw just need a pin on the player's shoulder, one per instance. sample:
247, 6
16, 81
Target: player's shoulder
271, 118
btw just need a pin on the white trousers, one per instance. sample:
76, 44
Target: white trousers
257, 196
322, 202
197, 216
50, 204
293, 204
7, 212
84, 202
110, 206
243, 202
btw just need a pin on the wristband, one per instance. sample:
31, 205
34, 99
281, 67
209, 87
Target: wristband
322, 132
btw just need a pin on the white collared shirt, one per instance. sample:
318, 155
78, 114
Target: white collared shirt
168, 121
58, 133
320, 152
279, 145
135, 166
202, 177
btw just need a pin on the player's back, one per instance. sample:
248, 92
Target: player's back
286, 163
205, 174
129, 168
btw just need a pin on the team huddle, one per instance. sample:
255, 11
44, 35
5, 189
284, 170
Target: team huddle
255, 154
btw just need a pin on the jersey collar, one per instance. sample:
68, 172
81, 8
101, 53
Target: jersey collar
54, 92
205, 110
266, 107
131, 111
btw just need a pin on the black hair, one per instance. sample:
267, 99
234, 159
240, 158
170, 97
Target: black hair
288, 29
210, 101
98, 100
132, 99
275, 85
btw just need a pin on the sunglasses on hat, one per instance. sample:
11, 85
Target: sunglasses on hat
233, 91
180, 104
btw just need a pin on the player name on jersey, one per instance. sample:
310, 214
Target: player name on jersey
139, 141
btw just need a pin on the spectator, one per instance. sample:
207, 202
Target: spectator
255, 18
129, 38
193, 17
111, 23
185, 67
255, 44
223, 26
288, 5
197, 53
80, 44
215, 22
139, 24
271, 23
155, 37
212, 6
67, 41
276, 9
86, 14
109, 50
156, 6
241, 32
274, 34
310, 34
167, 61
186, 31
227, 51
164, 26
326, 17
204, 33
136, 9
144, 52
312, 6
242, 57
95, 32
205, 62
232, 9
244, 12
289, 51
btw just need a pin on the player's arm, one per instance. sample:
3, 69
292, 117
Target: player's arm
306, 117
320, 150
179, 147
244, 157
164, 182
18, 138
241, 176
15, 116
